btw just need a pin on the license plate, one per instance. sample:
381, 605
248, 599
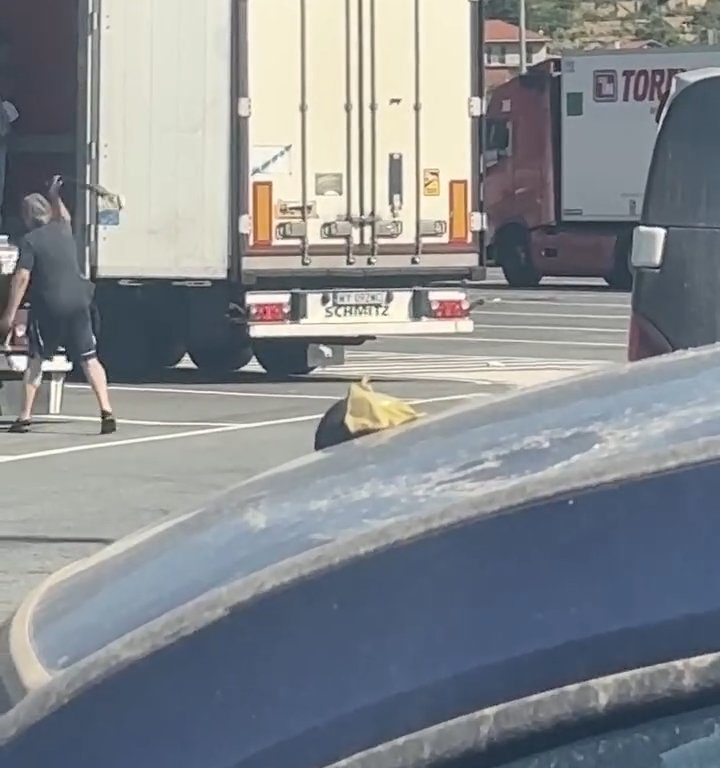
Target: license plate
361, 299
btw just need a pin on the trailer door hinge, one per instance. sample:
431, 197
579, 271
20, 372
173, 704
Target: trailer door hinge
244, 224
476, 106
478, 221
244, 106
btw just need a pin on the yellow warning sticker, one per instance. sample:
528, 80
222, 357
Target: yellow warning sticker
431, 182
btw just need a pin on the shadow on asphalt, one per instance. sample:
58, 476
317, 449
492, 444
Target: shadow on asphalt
6, 421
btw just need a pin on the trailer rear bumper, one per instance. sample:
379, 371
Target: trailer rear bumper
354, 330
353, 313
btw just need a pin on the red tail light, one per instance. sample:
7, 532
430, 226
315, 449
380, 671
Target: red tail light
269, 313
645, 340
449, 310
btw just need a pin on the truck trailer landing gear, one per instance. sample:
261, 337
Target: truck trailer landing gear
621, 278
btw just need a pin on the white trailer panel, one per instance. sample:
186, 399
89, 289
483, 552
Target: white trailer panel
401, 156
164, 137
609, 104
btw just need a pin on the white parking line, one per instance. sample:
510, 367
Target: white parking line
566, 315
503, 340
448, 398
563, 343
222, 393
101, 445
488, 361
234, 424
213, 430
580, 329
144, 423
552, 302
218, 392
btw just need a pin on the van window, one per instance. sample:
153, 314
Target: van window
683, 187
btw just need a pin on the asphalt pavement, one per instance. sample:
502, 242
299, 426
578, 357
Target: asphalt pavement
67, 491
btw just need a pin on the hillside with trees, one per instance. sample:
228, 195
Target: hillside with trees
603, 22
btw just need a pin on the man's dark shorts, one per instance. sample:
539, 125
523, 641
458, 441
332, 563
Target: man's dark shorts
72, 332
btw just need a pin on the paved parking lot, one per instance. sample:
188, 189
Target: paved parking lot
67, 491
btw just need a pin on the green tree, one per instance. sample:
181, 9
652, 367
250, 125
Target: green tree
553, 17
652, 6
507, 10
652, 24
706, 21
550, 16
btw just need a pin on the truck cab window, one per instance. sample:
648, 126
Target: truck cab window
498, 140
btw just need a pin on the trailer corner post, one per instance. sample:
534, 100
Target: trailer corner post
482, 123
522, 22
306, 260
350, 258
418, 136
373, 138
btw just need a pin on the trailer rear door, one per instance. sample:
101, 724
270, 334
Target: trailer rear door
160, 136
357, 144
609, 104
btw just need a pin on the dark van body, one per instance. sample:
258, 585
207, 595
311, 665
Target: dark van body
676, 248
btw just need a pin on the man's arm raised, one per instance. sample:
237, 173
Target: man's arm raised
59, 211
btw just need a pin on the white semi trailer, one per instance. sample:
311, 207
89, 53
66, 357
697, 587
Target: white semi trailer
282, 176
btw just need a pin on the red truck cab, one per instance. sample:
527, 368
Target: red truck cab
522, 190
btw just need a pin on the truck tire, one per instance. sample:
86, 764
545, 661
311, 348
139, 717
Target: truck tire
283, 358
220, 358
167, 354
138, 337
166, 331
513, 255
123, 346
621, 278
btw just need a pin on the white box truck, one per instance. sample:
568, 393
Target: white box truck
255, 176
569, 150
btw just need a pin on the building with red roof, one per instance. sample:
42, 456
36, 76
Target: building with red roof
502, 50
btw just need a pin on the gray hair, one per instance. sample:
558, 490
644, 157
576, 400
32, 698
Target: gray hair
37, 210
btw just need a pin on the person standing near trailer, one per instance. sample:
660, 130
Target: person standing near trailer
60, 305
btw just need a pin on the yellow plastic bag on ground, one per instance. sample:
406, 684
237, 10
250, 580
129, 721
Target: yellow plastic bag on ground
370, 411
362, 412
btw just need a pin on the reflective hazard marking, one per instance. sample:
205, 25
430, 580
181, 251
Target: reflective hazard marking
459, 216
262, 213
431, 182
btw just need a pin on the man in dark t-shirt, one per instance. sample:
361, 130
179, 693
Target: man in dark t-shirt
60, 301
